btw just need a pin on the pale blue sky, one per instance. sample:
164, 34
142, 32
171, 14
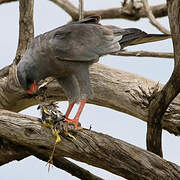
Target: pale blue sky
49, 16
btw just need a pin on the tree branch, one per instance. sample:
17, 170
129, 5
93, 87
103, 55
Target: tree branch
152, 19
127, 12
172, 88
26, 27
115, 89
67, 6
81, 9
6, 1
90, 147
144, 54
10, 151
68, 166
135, 13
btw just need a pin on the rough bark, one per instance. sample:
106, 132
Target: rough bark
163, 98
90, 147
115, 89
68, 166
26, 27
22, 136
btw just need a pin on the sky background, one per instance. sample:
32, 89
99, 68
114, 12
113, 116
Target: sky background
48, 16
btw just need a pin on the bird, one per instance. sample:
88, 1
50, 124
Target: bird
67, 52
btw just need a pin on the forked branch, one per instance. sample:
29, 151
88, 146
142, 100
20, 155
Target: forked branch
152, 19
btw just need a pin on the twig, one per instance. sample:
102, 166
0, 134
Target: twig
68, 7
81, 9
144, 54
152, 19
6, 1
26, 27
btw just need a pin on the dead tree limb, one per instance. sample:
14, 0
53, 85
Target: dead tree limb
90, 147
81, 9
115, 89
10, 151
26, 27
68, 166
164, 97
134, 13
67, 7
6, 1
145, 54
152, 19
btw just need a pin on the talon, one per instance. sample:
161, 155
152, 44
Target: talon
45, 124
75, 122
56, 133
70, 135
45, 110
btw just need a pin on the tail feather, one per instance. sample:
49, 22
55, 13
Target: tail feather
133, 36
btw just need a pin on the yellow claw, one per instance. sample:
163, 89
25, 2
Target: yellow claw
45, 110
47, 125
56, 133
70, 135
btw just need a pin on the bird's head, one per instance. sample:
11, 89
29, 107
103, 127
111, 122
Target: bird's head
27, 81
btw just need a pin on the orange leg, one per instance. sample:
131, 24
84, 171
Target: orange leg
75, 121
69, 109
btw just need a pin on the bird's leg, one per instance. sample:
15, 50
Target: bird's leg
69, 109
83, 101
75, 121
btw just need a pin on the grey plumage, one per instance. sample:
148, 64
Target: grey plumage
67, 52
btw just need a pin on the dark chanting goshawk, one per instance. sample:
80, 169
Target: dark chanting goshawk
67, 52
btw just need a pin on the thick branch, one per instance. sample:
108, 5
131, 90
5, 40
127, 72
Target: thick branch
115, 89
68, 166
170, 90
152, 19
26, 27
10, 151
144, 54
90, 147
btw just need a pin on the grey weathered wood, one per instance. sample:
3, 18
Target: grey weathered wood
90, 147
163, 98
22, 135
115, 89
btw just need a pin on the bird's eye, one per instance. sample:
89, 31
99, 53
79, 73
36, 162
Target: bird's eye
61, 34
